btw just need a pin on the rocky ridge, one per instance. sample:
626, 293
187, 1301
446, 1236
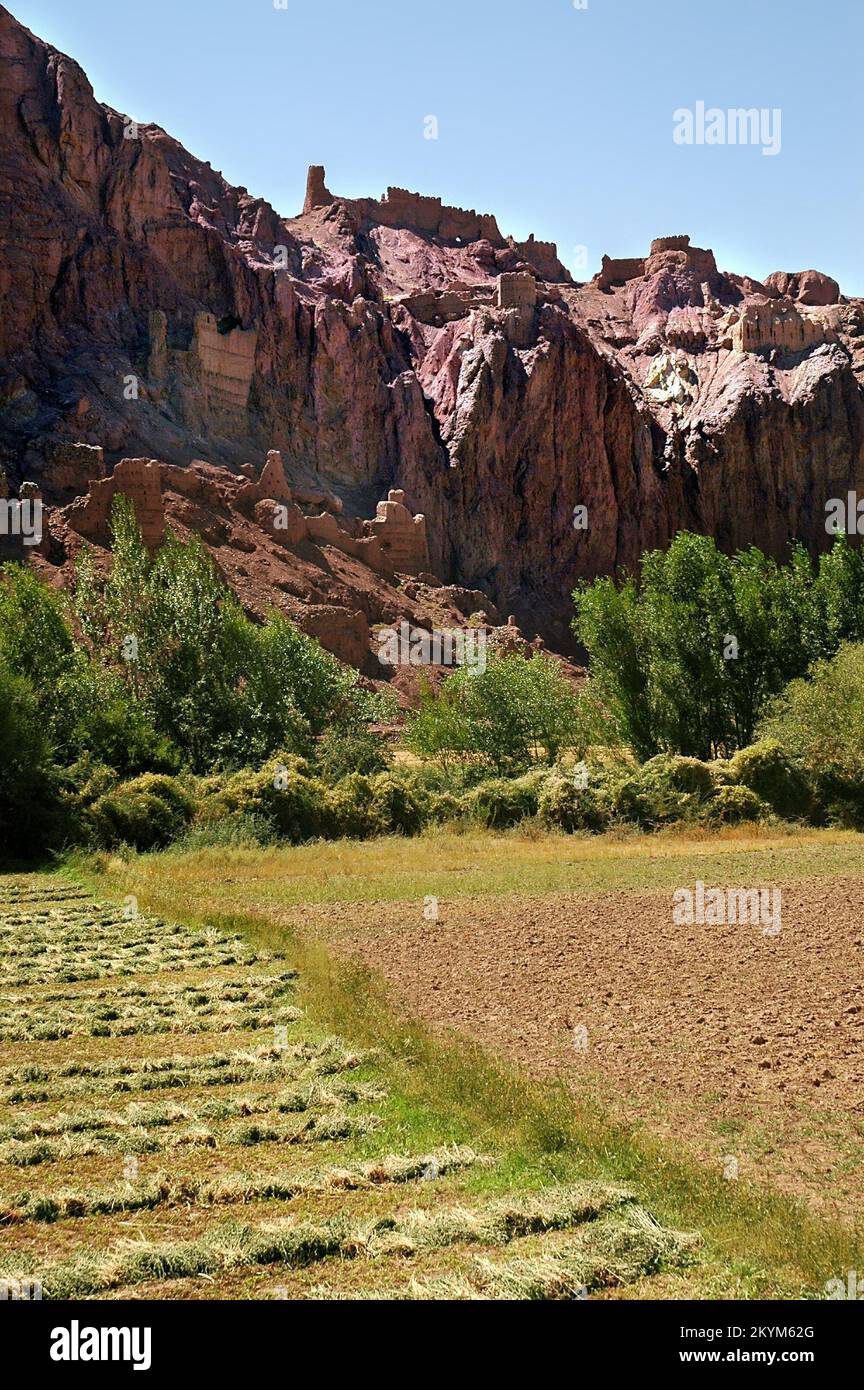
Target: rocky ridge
432, 398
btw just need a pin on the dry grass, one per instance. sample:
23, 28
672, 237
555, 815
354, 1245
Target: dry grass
628, 1236
450, 865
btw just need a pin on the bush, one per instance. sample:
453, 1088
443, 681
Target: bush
730, 805
819, 722
502, 802
397, 805
339, 752
444, 807
564, 806
229, 832
280, 793
350, 811
767, 770
146, 813
688, 775
666, 788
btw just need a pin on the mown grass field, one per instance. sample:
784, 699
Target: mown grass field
529, 1139
179, 1119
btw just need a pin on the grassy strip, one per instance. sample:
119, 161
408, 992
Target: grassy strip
450, 865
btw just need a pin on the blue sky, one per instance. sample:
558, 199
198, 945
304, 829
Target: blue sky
557, 119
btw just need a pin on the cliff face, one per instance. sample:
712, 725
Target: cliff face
154, 311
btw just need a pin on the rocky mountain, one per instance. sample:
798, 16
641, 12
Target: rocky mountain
387, 408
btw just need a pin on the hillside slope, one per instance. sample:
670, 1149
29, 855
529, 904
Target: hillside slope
154, 312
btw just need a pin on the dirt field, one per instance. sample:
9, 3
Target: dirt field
744, 1046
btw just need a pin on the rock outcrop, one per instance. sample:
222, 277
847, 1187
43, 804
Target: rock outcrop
165, 331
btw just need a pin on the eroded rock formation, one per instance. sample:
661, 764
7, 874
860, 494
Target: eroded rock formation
165, 331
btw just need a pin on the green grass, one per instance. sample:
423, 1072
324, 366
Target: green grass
451, 865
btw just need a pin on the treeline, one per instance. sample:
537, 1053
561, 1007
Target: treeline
144, 708
686, 657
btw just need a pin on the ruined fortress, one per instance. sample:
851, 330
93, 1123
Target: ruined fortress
792, 313
417, 212
392, 542
667, 253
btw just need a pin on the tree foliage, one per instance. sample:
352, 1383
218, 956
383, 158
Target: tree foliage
687, 658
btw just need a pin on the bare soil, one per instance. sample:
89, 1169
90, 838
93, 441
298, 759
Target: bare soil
736, 1044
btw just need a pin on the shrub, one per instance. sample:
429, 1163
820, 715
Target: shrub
350, 809
397, 804
147, 813
340, 752
444, 807
666, 788
565, 806
730, 805
767, 770
503, 802
293, 803
230, 832
689, 775
819, 722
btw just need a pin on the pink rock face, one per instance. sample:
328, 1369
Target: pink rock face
394, 343
807, 286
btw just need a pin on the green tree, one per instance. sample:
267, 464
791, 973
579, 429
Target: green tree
687, 658
28, 792
223, 690
516, 710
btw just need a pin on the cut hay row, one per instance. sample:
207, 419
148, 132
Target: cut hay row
160, 1014
234, 1246
57, 890
137, 1140
612, 1251
80, 967
165, 1191
159, 1114
327, 1058
262, 986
